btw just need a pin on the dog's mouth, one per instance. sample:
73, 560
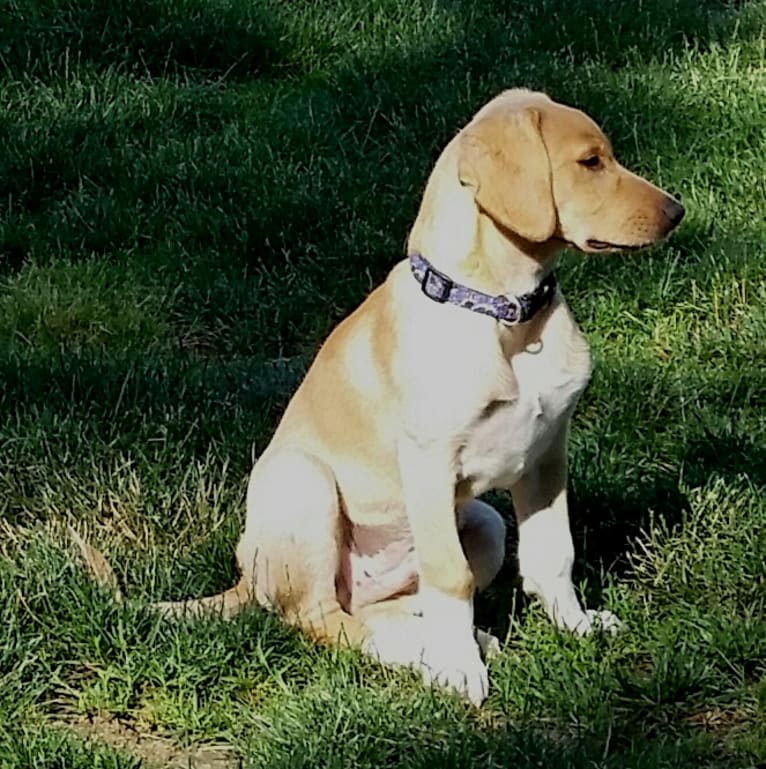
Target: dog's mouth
593, 245
603, 245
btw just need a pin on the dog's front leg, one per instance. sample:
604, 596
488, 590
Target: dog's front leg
446, 651
546, 550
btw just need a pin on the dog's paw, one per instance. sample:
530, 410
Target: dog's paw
457, 669
594, 621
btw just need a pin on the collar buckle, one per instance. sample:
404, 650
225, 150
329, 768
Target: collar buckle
436, 285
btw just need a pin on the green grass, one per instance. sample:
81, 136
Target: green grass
190, 189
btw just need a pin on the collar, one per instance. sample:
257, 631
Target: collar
506, 309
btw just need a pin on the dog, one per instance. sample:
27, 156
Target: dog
457, 375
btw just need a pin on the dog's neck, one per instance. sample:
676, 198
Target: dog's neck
500, 261
470, 247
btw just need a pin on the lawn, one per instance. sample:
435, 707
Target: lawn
192, 193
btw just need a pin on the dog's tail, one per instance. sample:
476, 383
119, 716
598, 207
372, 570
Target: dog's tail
226, 604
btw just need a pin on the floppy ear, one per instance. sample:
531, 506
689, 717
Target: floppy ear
504, 161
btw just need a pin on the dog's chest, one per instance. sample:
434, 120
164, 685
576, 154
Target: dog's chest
510, 434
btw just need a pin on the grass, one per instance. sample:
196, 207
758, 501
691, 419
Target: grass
191, 189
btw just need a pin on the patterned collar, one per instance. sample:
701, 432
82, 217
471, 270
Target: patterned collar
506, 309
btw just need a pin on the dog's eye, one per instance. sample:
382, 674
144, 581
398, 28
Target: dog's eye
592, 161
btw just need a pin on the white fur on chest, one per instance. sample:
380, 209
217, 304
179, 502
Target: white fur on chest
508, 436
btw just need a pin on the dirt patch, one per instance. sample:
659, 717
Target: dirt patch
155, 750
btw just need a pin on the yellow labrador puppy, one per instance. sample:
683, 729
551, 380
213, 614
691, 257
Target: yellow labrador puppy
457, 375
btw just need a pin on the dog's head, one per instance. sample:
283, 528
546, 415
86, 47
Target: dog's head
545, 171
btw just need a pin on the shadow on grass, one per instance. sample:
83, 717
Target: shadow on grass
618, 484
155, 38
363, 114
204, 191
368, 113
614, 487
236, 40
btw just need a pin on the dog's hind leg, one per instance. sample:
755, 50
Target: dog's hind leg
482, 537
290, 551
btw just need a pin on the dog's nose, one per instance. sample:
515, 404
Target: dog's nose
674, 211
